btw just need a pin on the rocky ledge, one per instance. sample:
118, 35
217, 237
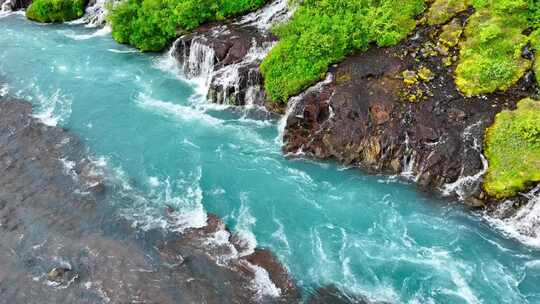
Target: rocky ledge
62, 240
397, 111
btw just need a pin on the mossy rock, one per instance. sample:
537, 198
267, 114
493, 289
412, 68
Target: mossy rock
451, 33
490, 58
48, 11
443, 10
512, 148
535, 43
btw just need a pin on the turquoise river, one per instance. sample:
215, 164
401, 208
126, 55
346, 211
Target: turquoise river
153, 130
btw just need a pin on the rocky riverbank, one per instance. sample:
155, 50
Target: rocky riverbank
62, 241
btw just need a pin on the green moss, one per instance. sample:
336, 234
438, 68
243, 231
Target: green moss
324, 32
55, 10
150, 25
443, 10
490, 58
451, 33
512, 147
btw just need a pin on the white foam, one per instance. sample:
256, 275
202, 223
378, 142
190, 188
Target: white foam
268, 16
123, 51
293, 102
153, 182
4, 90
524, 225
104, 31
185, 113
245, 222
53, 109
465, 183
263, 284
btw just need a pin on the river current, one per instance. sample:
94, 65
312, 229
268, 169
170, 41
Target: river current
153, 131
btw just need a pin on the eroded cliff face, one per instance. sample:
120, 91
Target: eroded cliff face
397, 111
14, 5
226, 57
62, 241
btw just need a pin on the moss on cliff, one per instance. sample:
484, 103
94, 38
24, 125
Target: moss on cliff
490, 58
512, 147
55, 10
324, 32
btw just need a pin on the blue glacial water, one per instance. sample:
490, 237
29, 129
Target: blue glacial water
371, 235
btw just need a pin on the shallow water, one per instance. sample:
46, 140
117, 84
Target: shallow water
329, 225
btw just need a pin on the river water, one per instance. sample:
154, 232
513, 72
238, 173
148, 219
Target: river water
153, 131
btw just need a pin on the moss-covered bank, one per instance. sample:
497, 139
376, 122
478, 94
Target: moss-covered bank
48, 11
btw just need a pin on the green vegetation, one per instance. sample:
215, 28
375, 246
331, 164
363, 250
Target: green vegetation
55, 10
512, 148
150, 25
490, 58
324, 32
443, 10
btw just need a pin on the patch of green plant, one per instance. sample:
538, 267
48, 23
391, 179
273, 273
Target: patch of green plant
490, 58
442, 11
48, 11
324, 32
150, 25
512, 148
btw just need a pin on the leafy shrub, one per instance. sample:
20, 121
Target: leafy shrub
151, 24
324, 32
512, 148
55, 10
490, 58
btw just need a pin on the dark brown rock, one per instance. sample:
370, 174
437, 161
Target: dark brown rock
375, 126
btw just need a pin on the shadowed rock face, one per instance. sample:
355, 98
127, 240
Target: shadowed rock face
236, 78
61, 240
364, 118
16, 4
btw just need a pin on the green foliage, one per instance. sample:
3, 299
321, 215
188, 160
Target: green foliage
490, 58
323, 32
151, 24
55, 10
443, 10
512, 148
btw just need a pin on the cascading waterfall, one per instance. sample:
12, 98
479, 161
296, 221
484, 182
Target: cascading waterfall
465, 184
294, 101
200, 63
5, 7
523, 224
238, 83
409, 159
276, 12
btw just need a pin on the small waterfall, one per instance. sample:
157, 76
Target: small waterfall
524, 224
409, 159
244, 76
199, 63
294, 101
238, 83
5, 8
466, 184
274, 13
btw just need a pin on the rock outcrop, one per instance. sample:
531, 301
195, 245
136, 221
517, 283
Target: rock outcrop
226, 57
62, 240
14, 5
397, 111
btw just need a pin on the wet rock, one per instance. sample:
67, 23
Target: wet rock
434, 141
15, 5
47, 217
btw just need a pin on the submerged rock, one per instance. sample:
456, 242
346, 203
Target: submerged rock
63, 241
